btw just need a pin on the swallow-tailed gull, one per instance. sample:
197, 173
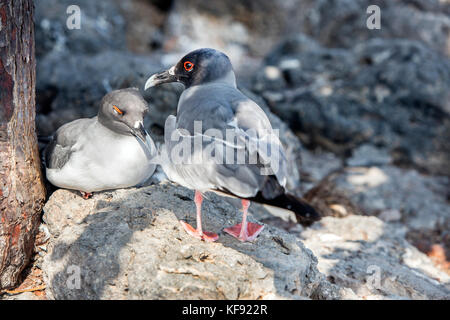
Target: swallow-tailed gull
109, 151
216, 127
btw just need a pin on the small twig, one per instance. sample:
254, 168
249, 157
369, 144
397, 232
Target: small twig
13, 292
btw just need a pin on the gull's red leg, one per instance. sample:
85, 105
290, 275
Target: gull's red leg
199, 233
86, 195
245, 231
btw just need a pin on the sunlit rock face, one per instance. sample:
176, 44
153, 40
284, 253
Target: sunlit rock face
373, 260
129, 244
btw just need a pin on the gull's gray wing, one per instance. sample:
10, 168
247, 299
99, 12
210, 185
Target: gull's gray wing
60, 148
227, 110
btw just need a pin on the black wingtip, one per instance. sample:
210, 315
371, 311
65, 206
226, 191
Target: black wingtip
304, 212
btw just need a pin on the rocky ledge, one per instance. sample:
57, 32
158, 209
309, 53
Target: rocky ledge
129, 244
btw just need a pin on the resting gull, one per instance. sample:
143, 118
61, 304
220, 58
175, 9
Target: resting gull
222, 140
109, 151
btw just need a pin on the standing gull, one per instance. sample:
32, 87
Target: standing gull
212, 101
109, 151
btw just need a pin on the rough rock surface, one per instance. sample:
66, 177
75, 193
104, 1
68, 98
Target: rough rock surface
128, 244
342, 23
102, 27
373, 259
401, 197
397, 195
391, 94
315, 166
238, 28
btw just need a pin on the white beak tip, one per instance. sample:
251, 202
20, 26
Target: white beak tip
149, 83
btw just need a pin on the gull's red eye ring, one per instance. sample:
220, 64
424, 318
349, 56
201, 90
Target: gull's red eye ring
188, 66
118, 110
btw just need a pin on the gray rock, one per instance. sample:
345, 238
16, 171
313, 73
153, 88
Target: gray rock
369, 155
392, 94
129, 244
102, 27
390, 215
420, 200
240, 27
316, 166
236, 27
145, 21
342, 23
373, 260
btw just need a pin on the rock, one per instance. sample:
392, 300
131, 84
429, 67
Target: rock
239, 28
420, 200
390, 215
390, 94
373, 260
102, 27
145, 21
343, 23
315, 166
129, 244
329, 200
369, 155
403, 198
233, 25
163, 101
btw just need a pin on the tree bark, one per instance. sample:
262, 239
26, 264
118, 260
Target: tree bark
22, 191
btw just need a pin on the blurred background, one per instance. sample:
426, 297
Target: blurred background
364, 114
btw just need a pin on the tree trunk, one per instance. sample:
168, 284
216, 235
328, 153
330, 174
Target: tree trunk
22, 191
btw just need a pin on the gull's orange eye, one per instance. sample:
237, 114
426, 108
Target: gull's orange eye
188, 66
118, 110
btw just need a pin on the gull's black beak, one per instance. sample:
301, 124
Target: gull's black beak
162, 77
140, 132
142, 135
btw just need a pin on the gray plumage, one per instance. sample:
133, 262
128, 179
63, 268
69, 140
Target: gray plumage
59, 149
211, 97
111, 150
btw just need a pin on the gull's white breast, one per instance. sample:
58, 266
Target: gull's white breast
103, 160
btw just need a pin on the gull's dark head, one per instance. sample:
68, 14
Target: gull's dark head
197, 67
123, 111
